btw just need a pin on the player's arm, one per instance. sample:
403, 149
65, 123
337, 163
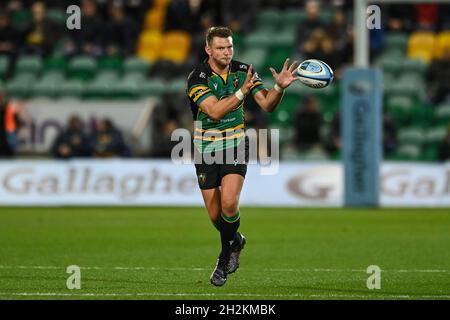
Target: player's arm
217, 109
268, 100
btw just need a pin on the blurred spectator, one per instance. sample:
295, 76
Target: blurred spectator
438, 75
398, 17
89, 39
166, 118
72, 142
310, 24
320, 46
107, 141
121, 32
444, 147
427, 16
41, 35
9, 41
238, 15
9, 125
333, 140
342, 37
307, 124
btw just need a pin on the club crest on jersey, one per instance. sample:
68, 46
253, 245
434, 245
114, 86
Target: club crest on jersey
202, 178
236, 82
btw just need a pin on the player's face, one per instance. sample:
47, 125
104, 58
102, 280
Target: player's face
221, 50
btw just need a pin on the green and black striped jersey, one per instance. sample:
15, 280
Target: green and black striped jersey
202, 83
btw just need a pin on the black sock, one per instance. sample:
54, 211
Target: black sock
216, 223
228, 230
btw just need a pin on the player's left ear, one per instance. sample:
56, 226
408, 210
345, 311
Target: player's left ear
208, 50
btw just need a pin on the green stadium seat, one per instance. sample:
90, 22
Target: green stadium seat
152, 87
396, 40
430, 153
57, 16
256, 56
259, 40
408, 152
408, 88
128, 86
31, 64
103, 85
20, 86
110, 63
268, 19
413, 66
290, 19
72, 89
442, 114
177, 86
55, 62
391, 65
21, 18
4, 65
82, 67
435, 135
48, 85
412, 135
134, 64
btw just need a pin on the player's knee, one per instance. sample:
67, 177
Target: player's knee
229, 206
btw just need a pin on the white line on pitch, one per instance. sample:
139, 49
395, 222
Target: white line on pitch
207, 269
148, 294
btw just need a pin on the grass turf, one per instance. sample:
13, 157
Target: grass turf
169, 253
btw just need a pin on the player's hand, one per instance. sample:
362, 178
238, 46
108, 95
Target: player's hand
249, 80
286, 75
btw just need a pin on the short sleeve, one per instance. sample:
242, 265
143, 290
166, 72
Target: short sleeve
197, 87
257, 85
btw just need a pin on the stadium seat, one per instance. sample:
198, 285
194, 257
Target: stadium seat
72, 89
149, 45
20, 85
442, 43
57, 16
435, 135
256, 56
390, 64
175, 46
21, 18
155, 19
268, 19
31, 64
260, 40
411, 135
134, 64
128, 86
152, 87
110, 63
48, 85
396, 41
55, 62
103, 85
290, 19
4, 65
399, 106
82, 67
408, 152
429, 153
442, 114
421, 45
177, 86
417, 66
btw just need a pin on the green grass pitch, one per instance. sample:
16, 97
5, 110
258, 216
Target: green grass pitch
169, 253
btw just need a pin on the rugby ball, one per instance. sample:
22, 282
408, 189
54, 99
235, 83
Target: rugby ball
315, 73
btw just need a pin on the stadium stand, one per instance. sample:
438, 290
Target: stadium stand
162, 57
